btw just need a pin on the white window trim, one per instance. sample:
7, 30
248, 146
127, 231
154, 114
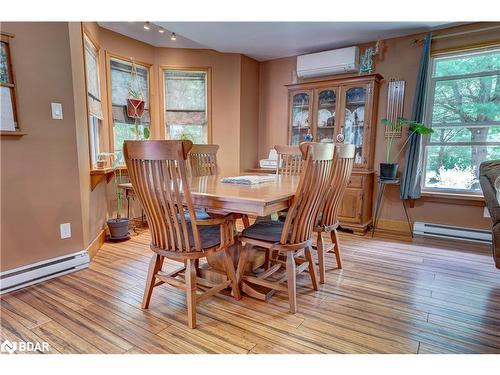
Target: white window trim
428, 107
87, 42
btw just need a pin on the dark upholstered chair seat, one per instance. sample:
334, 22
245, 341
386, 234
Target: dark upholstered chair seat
266, 230
200, 215
209, 235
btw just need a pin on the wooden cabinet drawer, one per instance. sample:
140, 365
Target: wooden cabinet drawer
356, 181
352, 206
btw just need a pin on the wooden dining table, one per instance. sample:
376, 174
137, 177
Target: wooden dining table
211, 194
208, 192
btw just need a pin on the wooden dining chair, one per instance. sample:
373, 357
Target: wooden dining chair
290, 160
328, 214
157, 171
203, 162
291, 241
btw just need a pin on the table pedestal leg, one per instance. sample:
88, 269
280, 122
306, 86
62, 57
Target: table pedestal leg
256, 291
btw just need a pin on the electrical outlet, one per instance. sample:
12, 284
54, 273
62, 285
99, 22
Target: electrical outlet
65, 230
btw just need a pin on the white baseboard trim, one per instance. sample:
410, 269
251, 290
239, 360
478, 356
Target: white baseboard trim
34, 273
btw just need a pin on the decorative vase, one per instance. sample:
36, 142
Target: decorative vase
308, 137
135, 108
388, 171
118, 228
100, 164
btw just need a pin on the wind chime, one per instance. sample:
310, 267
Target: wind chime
135, 100
395, 101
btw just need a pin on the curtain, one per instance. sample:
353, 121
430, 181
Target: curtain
410, 179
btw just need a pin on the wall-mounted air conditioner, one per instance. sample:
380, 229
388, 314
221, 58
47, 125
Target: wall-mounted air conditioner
338, 61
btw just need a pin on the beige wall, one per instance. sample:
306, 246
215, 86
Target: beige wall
225, 93
40, 186
231, 120
249, 113
399, 60
45, 174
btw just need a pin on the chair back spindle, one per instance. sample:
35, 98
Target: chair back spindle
314, 183
203, 160
157, 171
290, 160
342, 169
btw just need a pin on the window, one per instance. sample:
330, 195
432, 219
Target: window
463, 108
124, 126
186, 114
8, 113
94, 105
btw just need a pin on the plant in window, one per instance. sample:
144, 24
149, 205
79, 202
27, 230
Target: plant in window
103, 158
135, 100
389, 169
118, 226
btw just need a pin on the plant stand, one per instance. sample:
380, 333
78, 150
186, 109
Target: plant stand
381, 188
129, 193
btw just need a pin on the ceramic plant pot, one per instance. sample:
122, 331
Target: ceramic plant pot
388, 171
135, 108
118, 228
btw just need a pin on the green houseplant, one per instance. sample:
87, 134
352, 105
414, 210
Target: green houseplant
389, 169
135, 104
135, 100
118, 225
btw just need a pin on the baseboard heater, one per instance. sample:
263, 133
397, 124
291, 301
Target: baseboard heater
451, 232
37, 272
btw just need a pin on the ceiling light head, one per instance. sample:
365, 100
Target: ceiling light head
161, 30
147, 26
173, 36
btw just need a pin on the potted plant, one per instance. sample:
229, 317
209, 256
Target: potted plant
102, 159
135, 104
118, 226
389, 169
135, 100
101, 162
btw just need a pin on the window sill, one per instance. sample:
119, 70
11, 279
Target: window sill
98, 175
99, 171
453, 198
12, 133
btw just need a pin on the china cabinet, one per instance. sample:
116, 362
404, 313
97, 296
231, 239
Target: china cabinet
347, 106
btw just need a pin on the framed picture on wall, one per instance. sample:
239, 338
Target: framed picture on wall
8, 110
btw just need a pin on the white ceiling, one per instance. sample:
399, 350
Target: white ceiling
268, 40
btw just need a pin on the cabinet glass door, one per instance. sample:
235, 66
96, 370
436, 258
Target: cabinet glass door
354, 120
325, 117
300, 114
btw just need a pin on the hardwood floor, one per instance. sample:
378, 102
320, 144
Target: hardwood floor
391, 297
